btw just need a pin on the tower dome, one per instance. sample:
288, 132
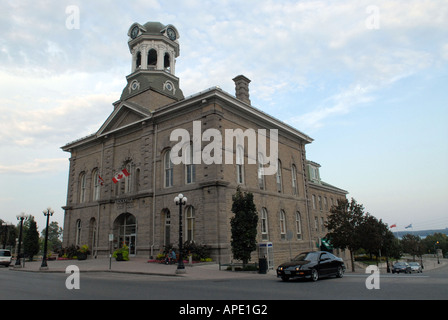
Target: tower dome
154, 48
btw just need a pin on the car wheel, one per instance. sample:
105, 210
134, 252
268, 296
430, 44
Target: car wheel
285, 278
314, 275
340, 272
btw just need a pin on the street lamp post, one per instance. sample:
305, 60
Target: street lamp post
436, 246
22, 216
180, 200
47, 212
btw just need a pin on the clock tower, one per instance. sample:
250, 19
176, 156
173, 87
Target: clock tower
154, 48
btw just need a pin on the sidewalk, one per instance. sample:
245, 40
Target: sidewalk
138, 265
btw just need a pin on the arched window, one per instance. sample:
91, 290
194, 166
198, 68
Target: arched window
279, 176
261, 183
97, 182
190, 169
282, 225
298, 226
294, 180
137, 180
167, 216
168, 169
92, 233
152, 57
240, 165
82, 187
189, 215
167, 62
264, 224
128, 179
78, 232
138, 60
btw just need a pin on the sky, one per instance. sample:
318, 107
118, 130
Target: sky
367, 80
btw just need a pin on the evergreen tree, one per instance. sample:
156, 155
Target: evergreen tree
31, 239
243, 225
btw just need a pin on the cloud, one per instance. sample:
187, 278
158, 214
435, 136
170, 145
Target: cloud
56, 108
340, 104
36, 166
286, 48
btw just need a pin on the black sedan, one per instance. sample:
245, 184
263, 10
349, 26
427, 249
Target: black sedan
313, 265
401, 267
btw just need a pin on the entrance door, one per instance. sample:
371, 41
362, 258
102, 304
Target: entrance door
125, 228
130, 242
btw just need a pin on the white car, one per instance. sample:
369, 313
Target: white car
415, 267
5, 257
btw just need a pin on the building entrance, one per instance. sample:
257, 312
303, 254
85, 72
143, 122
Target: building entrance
130, 243
125, 230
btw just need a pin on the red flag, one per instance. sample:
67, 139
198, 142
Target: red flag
120, 175
100, 180
393, 226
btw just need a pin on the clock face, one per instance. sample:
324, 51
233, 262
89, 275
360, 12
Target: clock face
171, 34
134, 32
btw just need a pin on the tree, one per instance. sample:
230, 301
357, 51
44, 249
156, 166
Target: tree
412, 245
243, 225
54, 236
430, 242
31, 239
8, 235
370, 233
343, 226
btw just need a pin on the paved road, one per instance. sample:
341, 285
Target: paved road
432, 285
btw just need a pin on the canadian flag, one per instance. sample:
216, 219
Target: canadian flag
120, 175
100, 180
393, 226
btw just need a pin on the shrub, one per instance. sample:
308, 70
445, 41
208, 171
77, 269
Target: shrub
124, 251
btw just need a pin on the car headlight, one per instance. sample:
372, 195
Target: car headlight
280, 268
297, 268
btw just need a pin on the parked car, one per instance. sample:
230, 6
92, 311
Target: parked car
313, 265
401, 267
5, 257
415, 267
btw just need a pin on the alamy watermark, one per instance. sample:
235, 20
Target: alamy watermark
189, 149
373, 281
73, 19
373, 20
73, 280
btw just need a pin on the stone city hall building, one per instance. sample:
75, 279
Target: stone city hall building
139, 209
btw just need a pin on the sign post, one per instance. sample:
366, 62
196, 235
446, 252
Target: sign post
111, 239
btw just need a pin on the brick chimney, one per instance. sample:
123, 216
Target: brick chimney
242, 88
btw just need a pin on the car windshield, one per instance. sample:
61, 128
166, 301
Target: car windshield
308, 256
5, 253
414, 264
